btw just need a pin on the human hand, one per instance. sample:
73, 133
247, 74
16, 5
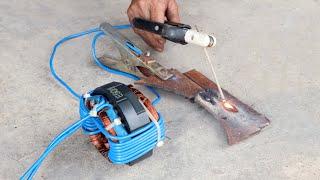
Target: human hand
154, 10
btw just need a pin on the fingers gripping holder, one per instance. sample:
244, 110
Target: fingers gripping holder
133, 140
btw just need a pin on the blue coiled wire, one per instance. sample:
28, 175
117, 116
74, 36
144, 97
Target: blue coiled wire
123, 149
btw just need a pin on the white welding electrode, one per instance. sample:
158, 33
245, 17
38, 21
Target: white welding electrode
199, 38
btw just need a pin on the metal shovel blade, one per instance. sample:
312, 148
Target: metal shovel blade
238, 125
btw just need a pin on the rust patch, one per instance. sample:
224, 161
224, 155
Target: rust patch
200, 79
179, 84
238, 125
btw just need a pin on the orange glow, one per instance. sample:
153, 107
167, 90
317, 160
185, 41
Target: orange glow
228, 106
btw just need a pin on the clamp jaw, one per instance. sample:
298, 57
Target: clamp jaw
239, 120
132, 60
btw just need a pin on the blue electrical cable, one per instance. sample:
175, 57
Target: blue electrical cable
56, 46
56, 141
134, 145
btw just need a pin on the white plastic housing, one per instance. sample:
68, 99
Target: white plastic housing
199, 38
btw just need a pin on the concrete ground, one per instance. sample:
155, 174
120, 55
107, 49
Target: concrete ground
267, 55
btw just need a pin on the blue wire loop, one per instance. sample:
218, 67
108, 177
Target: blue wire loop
124, 147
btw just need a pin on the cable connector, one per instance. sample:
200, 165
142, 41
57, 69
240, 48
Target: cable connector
86, 95
116, 122
160, 143
93, 112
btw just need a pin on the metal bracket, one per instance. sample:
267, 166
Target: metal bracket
132, 58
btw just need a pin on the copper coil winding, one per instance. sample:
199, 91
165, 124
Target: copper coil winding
101, 143
145, 101
99, 140
106, 122
104, 118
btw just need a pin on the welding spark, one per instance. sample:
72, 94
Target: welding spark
229, 106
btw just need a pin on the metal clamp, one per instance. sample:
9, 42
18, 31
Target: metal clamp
132, 59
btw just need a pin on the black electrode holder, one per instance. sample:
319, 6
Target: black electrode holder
171, 31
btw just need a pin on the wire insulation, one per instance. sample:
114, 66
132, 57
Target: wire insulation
124, 148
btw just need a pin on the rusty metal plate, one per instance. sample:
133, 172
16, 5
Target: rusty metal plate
238, 125
178, 84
